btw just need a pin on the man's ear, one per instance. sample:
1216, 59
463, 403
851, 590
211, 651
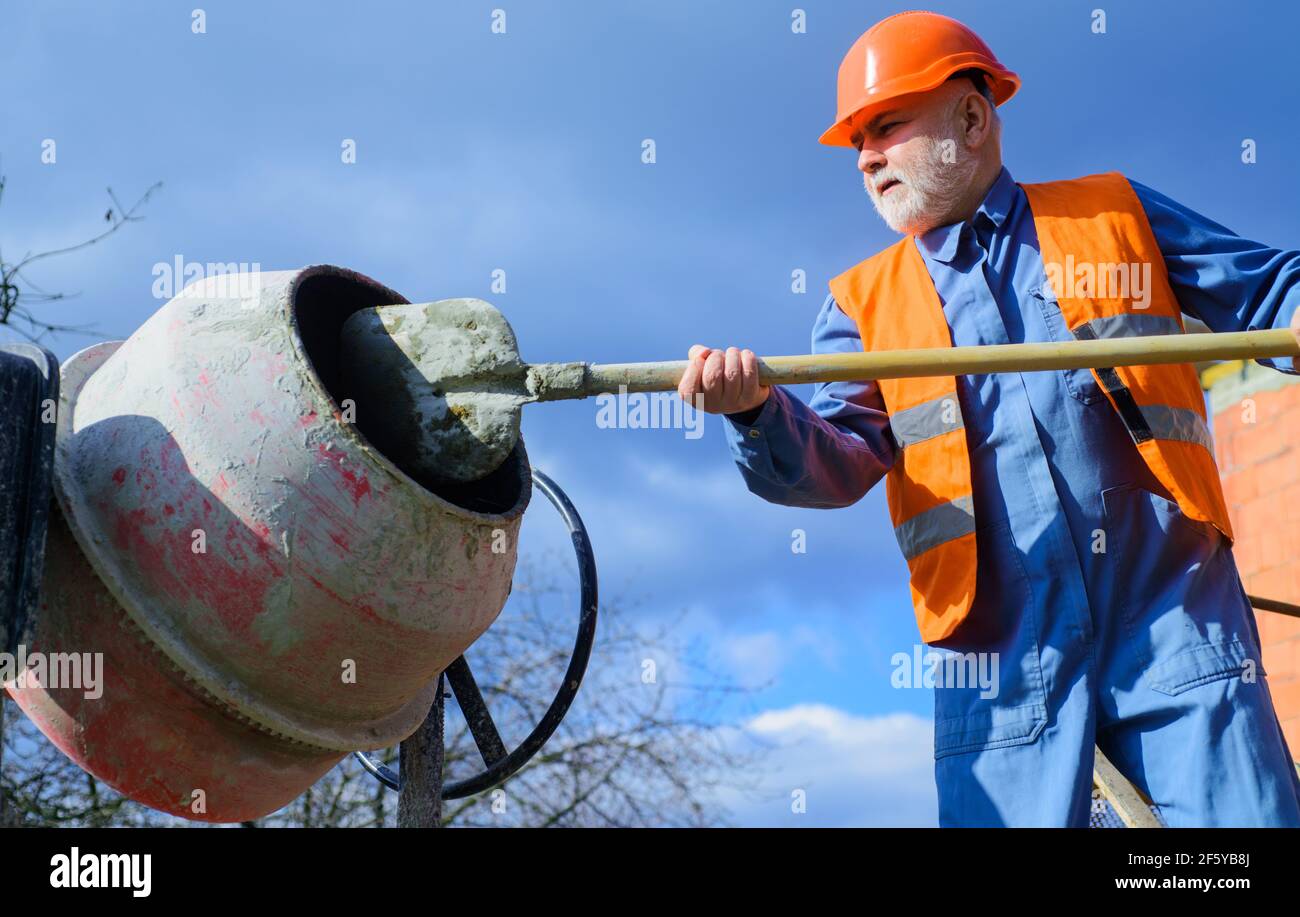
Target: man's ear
976, 119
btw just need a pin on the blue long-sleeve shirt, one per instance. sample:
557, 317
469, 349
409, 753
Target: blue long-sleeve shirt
1043, 445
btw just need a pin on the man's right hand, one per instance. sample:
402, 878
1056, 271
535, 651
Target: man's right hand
727, 380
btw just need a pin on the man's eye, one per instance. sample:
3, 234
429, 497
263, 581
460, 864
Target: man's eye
886, 128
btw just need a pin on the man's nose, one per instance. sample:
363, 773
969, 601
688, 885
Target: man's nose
870, 160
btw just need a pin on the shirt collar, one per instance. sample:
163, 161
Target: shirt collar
941, 242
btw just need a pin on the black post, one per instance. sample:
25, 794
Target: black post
421, 756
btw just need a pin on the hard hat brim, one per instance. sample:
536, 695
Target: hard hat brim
1004, 84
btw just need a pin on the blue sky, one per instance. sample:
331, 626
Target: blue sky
522, 152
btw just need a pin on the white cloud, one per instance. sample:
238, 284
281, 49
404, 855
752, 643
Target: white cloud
854, 770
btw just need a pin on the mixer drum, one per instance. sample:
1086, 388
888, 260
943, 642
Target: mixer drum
268, 591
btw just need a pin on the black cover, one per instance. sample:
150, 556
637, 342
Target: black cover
29, 397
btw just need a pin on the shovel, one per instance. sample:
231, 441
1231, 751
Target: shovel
442, 383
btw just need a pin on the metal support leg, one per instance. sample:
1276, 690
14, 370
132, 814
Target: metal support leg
421, 755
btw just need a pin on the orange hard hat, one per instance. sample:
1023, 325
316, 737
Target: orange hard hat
906, 53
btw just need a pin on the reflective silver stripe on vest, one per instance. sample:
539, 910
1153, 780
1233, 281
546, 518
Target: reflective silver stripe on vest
1182, 424
1133, 325
926, 421
935, 526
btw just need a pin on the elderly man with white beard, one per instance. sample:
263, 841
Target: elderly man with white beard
1069, 522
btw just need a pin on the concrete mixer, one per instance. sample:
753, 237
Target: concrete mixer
266, 590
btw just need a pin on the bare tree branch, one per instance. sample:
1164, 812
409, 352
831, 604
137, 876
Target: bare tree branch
17, 289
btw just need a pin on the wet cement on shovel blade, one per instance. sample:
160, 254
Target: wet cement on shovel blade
447, 379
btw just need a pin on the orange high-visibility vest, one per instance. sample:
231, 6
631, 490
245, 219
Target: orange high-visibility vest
1087, 227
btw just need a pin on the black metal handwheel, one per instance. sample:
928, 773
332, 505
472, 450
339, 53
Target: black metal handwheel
500, 764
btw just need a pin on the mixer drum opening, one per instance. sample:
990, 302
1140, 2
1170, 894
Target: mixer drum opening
322, 302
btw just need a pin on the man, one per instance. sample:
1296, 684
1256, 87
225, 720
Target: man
1070, 522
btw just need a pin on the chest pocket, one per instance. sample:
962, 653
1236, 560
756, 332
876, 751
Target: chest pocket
1081, 383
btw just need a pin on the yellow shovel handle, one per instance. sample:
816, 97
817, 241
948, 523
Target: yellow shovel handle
953, 361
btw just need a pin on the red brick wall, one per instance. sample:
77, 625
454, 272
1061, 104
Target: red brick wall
1260, 464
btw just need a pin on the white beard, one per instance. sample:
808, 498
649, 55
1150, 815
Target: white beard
927, 193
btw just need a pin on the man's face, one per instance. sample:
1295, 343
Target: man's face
914, 162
